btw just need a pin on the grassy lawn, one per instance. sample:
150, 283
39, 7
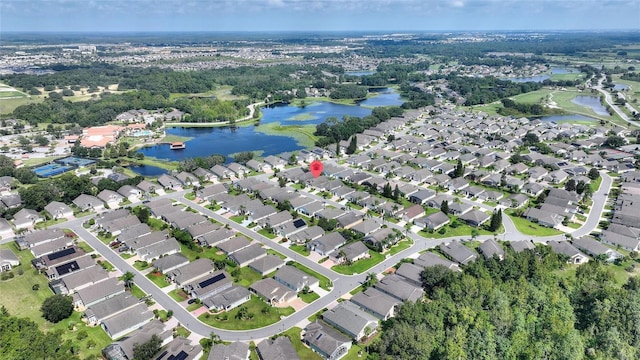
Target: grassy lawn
158, 278
106, 265
190, 196
182, 332
178, 295
248, 276
360, 266
266, 234
300, 249
137, 292
238, 218
308, 297
194, 306
356, 290
303, 134
261, 315
273, 252
303, 351
324, 282
401, 245
461, 230
595, 184
141, 265
84, 246
46, 224
529, 228
20, 300
574, 225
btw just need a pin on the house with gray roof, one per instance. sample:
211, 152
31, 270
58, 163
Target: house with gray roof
625, 242
202, 228
196, 269
351, 253
170, 262
234, 351
595, 248
458, 252
58, 210
376, 302
574, 255
278, 349
111, 198
475, 217
161, 248
123, 349
103, 310
8, 260
520, 246
51, 246
400, 289
411, 273
491, 248
123, 323
306, 235
181, 349
234, 244
543, 218
433, 222
326, 341
266, 264
350, 319
209, 285
86, 202
459, 208
84, 278
273, 291
327, 243
26, 218
295, 279
248, 254
216, 237
228, 299
94, 294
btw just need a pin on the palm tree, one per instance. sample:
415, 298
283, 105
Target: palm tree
128, 279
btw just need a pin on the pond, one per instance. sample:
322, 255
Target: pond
567, 118
620, 87
230, 140
360, 72
591, 102
148, 170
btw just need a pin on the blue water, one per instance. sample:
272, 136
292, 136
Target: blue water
230, 140
561, 118
148, 170
591, 102
620, 87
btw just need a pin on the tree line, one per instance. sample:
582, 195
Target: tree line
333, 131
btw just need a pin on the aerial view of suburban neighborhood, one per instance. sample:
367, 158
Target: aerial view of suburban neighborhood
335, 190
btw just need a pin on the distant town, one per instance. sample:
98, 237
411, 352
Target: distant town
157, 201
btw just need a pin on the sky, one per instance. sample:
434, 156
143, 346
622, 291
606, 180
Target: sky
315, 15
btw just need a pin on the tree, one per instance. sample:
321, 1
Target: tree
338, 150
57, 308
143, 214
243, 157
444, 206
570, 185
386, 191
496, 220
147, 350
530, 139
593, 174
353, 145
459, 171
371, 280
128, 279
396, 193
293, 159
614, 141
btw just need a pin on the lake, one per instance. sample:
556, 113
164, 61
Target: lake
591, 102
541, 78
359, 72
230, 140
148, 170
561, 118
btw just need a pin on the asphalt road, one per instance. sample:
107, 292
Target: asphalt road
609, 100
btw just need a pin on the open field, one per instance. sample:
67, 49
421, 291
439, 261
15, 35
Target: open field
222, 92
303, 134
258, 314
22, 301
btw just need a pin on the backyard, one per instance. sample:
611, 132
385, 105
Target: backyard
530, 228
253, 314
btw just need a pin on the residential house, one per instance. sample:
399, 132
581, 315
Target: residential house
411, 273
574, 255
266, 264
491, 248
123, 349
543, 218
111, 198
188, 273
458, 252
397, 287
181, 349
96, 313
228, 299
188, 179
170, 262
209, 285
520, 246
595, 248
295, 279
352, 252
433, 222
94, 294
326, 341
169, 182
278, 349
475, 217
412, 212
625, 242
326, 244
86, 202
123, 323
234, 244
248, 254
273, 291
58, 210
376, 302
26, 218
233, 351
130, 193
350, 319
8, 260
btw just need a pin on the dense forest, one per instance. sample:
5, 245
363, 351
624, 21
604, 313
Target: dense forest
525, 307
332, 130
21, 339
487, 89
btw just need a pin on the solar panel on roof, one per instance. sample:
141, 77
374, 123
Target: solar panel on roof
212, 280
162, 355
61, 253
298, 223
181, 356
67, 268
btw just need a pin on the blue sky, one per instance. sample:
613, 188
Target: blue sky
312, 15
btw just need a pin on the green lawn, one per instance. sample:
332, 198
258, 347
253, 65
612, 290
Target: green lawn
300, 249
20, 300
266, 234
137, 292
190, 196
182, 332
194, 306
141, 265
106, 265
157, 224
356, 290
178, 295
529, 228
239, 218
261, 315
360, 266
324, 282
309, 297
461, 230
574, 225
273, 252
84, 246
248, 276
158, 278
304, 352
401, 245
595, 184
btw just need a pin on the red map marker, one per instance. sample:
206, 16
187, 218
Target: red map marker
316, 168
